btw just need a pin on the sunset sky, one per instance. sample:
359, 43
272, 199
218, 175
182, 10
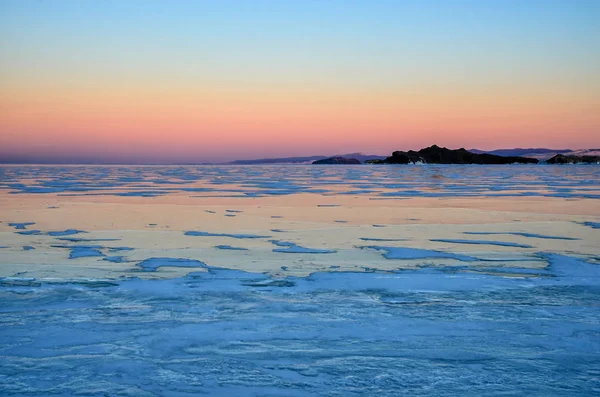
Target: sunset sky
183, 81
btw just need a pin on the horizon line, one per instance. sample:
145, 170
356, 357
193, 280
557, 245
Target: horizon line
67, 162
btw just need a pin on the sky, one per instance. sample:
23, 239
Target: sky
201, 81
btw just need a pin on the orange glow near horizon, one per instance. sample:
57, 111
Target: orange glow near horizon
306, 121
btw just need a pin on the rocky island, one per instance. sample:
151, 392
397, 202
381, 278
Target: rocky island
441, 155
572, 159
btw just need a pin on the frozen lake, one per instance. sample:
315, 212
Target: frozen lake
259, 181
300, 280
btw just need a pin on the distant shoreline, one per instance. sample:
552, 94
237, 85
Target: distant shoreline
540, 154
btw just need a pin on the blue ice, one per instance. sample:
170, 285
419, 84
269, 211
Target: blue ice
485, 242
417, 253
447, 180
86, 240
229, 247
524, 234
152, 264
232, 235
382, 239
30, 232
85, 251
20, 225
292, 248
146, 193
115, 259
593, 225
230, 332
67, 232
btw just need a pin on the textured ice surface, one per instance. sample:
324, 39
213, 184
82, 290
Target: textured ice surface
260, 181
234, 235
67, 232
417, 253
87, 240
229, 332
117, 249
292, 248
478, 327
115, 259
152, 264
29, 232
382, 239
59, 233
485, 242
524, 234
229, 247
82, 251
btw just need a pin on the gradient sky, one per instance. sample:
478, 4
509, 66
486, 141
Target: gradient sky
181, 81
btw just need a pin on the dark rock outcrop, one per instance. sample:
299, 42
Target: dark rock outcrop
562, 159
337, 160
441, 155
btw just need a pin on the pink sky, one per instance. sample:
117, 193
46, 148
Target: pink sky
213, 126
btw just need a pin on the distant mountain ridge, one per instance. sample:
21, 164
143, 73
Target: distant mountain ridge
307, 159
337, 160
541, 154
279, 160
